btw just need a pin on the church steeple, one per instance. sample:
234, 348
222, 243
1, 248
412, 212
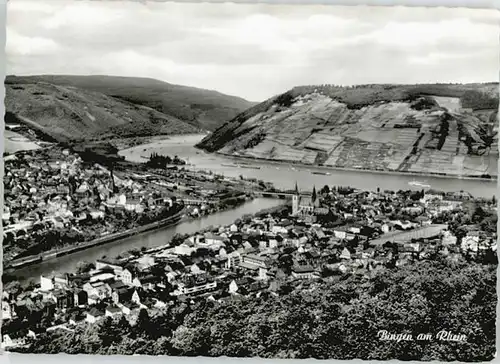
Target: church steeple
295, 200
314, 196
113, 186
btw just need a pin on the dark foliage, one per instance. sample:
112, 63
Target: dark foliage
478, 100
161, 161
338, 320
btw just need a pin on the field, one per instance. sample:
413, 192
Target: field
376, 127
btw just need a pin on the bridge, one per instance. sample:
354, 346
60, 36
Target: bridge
279, 194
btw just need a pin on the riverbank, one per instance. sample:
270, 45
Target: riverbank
146, 240
284, 178
51, 254
126, 143
327, 168
178, 218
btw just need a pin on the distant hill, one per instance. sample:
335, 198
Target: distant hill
204, 109
69, 114
439, 128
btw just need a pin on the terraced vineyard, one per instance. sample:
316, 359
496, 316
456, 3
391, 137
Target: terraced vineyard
412, 132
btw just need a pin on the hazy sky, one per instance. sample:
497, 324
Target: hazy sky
253, 51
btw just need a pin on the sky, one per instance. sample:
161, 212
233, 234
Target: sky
253, 51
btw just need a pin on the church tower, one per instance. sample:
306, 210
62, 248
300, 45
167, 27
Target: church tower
112, 184
295, 200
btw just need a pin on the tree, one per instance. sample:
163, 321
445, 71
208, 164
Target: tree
178, 239
84, 267
335, 320
13, 288
143, 324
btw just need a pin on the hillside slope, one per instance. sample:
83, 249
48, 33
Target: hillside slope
204, 109
71, 114
444, 129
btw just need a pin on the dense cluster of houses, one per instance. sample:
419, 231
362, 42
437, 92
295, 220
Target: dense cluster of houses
258, 256
54, 189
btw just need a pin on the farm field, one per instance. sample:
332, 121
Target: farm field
419, 134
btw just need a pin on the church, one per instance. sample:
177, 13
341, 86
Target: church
304, 205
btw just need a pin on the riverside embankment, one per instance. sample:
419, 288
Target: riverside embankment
284, 175
148, 239
56, 253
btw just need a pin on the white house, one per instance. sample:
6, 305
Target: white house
97, 214
126, 276
233, 260
94, 315
355, 229
195, 269
183, 249
213, 239
233, 287
279, 229
6, 310
132, 204
340, 233
346, 254
303, 272
46, 283
112, 311
273, 243
263, 273
470, 242
222, 252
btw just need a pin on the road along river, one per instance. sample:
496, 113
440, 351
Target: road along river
151, 239
284, 176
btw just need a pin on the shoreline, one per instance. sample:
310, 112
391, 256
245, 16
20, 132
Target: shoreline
493, 178
121, 143
175, 219
347, 169
51, 254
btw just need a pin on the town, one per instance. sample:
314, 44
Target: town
54, 199
322, 235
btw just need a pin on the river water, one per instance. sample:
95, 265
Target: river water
149, 239
15, 142
284, 176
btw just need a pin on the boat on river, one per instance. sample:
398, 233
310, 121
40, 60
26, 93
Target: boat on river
228, 165
321, 172
419, 184
250, 167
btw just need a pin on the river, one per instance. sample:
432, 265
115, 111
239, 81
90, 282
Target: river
149, 239
15, 142
284, 176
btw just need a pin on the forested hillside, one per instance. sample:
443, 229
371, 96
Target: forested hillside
339, 318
